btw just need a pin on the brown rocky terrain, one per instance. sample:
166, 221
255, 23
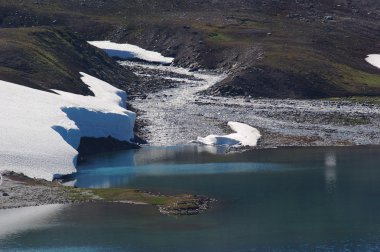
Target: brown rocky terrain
282, 49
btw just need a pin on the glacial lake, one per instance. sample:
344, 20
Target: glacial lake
286, 199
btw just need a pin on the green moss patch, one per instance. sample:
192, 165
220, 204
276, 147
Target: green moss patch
172, 205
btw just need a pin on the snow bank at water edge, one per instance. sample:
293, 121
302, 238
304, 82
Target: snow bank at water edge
245, 136
374, 60
41, 131
128, 51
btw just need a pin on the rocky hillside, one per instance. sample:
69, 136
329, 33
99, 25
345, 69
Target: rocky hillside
282, 49
50, 58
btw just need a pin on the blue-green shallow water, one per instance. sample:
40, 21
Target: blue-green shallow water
296, 199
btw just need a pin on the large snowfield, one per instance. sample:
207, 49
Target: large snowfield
41, 131
128, 51
374, 60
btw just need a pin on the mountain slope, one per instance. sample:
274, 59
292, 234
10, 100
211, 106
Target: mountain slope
50, 58
281, 49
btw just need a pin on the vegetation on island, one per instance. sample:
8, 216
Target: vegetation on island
19, 191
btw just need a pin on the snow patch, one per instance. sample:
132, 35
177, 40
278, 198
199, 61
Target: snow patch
374, 60
245, 136
128, 51
41, 131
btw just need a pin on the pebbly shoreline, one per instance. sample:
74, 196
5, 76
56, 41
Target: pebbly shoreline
183, 111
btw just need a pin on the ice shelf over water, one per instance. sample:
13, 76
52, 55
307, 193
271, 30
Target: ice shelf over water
41, 131
245, 136
128, 51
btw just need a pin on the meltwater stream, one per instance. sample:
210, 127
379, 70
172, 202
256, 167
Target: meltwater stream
287, 199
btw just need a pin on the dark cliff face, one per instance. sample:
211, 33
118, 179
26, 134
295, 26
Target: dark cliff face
287, 48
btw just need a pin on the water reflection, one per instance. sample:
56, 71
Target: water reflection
270, 200
28, 218
330, 171
149, 155
123, 176
330, 159
153, 155
119, 169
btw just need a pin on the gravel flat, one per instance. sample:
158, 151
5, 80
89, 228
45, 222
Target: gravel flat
181, 112
19, 191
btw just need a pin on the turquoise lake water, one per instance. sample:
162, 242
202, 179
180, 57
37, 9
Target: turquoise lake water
291, 199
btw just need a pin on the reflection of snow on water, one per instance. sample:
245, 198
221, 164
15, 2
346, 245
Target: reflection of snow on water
27, 218
180, 114
330, 160
330, 172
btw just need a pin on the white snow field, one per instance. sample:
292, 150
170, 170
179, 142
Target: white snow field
374, 60
128, 51
41, 131
245, 136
